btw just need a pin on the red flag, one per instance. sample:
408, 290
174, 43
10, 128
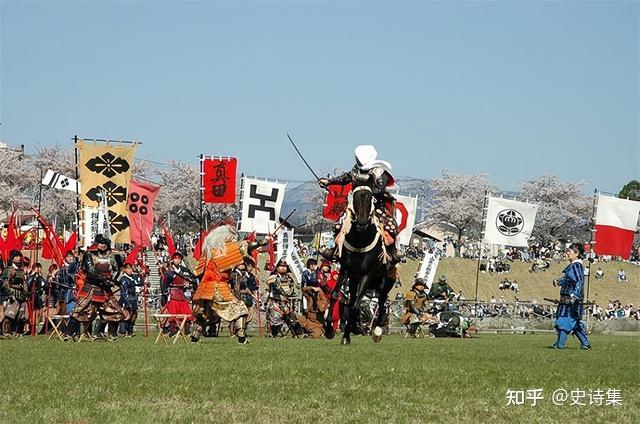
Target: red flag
197, 251
167, 237
52, 246
219, 180
132, 257
140, 202
12, 241
272, 255
616, 223
251, 238
336, 201
71, 242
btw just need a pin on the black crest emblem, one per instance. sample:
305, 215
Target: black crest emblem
117, 222
114, 193
108, 165
509, 222
138, 203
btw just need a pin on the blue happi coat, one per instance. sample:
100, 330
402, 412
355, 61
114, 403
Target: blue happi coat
569, 311
128, 296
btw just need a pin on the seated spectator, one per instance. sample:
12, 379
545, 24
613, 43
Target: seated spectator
599, 274
622, 276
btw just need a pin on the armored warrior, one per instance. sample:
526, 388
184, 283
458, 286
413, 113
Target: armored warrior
177, 281
243, 285
213, 299
374, 173
313, 319
569, 311
415, 307
101, 272
14, 281
280, 309
440, 290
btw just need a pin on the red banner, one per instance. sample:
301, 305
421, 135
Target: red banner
140, 202
13, 240
336, 201
219, 180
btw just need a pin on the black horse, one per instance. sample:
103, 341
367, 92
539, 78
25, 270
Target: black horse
361, 264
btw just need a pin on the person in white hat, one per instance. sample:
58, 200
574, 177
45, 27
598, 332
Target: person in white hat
376, 174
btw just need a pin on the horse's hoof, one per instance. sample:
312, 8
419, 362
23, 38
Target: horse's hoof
345, 341
376, 334
329, 333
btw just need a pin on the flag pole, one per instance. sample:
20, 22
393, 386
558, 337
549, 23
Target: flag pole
484, 217
591, 240
75, 149
39, 211
201, 191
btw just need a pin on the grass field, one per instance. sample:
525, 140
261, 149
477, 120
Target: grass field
287, 380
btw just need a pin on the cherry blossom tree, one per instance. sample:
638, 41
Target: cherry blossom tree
180, 196
457, 202
564, 212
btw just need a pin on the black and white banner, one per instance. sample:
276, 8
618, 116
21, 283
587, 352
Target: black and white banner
55, 180
428, 267
509, 222
95, 221
296, 265
261, 204
284, 245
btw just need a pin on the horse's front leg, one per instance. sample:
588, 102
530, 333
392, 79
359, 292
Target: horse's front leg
357, 293
381, 315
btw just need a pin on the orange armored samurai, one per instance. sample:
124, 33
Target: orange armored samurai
214, 298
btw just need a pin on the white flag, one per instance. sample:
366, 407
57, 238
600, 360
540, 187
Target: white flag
261, 204
59, 181
405, 217
509, 222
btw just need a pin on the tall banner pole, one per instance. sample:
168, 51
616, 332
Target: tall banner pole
78, 211
591, 240
484, 218
591, 253
144, 281
201, 191
39, 211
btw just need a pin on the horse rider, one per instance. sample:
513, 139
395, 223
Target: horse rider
374, 173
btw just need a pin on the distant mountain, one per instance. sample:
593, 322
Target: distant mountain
295, 196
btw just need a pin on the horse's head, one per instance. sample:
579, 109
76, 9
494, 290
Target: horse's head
362, 207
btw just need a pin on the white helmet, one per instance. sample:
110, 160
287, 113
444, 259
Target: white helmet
366, 158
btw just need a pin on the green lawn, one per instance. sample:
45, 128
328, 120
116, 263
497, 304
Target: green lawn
286, 380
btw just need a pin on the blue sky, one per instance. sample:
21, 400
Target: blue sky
512, 89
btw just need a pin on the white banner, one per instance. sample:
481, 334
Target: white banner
284, 244
405, 216
54, 180
95, 222
429, 266
509, 222
261, 204
296, 265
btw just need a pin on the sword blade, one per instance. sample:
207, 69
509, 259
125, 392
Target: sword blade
302, 157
